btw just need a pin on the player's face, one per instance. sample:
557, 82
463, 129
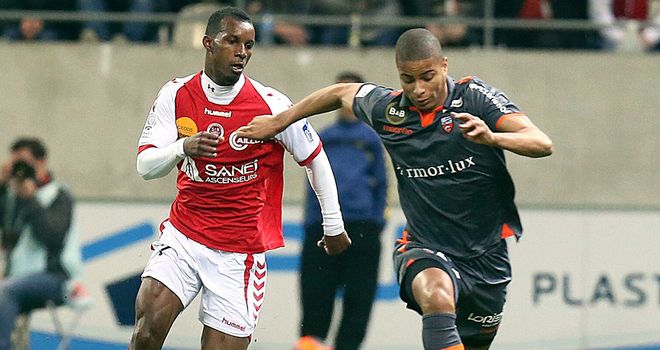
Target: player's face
424, 82
230, 50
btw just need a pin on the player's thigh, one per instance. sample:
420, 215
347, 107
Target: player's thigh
234, 291
433, 290
169, 281
213, 339
156, 306
429, 281
480, 315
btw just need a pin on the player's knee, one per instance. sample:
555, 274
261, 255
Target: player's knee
434, 297
147, 335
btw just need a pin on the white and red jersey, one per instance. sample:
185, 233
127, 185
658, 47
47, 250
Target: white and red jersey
232, 202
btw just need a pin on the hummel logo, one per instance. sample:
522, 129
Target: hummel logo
211, 88
223, 114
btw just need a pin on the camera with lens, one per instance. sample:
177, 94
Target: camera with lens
22, 170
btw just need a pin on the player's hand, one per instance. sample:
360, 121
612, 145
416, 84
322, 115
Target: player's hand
263, 127
474, 129
334, 245
202, 144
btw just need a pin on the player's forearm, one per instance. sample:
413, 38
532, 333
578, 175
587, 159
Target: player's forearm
153, 163
321, 101
319, 174
530, 142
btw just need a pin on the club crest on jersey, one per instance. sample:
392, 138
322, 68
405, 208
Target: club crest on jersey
215, 128
447, 124
394, 115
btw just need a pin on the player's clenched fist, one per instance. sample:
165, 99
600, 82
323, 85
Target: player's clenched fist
475, 129
335, 245
202, 144
263, 127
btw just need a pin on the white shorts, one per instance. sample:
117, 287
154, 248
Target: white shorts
233, 284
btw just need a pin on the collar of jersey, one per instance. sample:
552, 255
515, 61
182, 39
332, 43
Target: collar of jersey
221, 94
405, 102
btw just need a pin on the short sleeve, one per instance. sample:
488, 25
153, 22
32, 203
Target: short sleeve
301, 140
366, 99
491, 104
160, 128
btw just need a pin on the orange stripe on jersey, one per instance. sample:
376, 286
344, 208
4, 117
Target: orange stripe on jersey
454, 347
410, 262
464, 80
427, 119
404, 238
396, 92
502, 118
507, 231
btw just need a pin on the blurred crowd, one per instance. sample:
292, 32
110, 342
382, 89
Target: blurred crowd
625, 24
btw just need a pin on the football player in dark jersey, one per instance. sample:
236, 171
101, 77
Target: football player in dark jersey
446, 139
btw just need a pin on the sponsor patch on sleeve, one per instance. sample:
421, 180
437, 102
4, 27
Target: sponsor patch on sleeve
186, 127
364, 90
308, 133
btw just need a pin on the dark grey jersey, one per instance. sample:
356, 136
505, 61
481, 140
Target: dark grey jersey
457, 196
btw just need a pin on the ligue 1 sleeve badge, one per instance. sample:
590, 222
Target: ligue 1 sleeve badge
447, 124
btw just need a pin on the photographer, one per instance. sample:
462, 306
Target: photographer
35, 230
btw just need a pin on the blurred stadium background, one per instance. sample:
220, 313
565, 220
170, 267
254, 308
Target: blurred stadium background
586, 273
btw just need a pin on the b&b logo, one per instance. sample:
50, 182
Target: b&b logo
394, 115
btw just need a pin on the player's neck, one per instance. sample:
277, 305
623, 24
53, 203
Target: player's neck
443, 95
214, 91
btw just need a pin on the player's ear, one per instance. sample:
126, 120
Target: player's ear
207, 42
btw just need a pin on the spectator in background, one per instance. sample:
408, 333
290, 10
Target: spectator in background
544, 38
614, 35
37, 236
283, 32
356, 157
367, 36
456, 35
569, 39
280, 32
33, 28
133, 31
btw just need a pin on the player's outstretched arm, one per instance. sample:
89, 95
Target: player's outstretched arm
321, 101
516, 134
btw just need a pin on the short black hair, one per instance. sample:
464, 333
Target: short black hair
417, 44
33, 144
353, 77
214, 25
